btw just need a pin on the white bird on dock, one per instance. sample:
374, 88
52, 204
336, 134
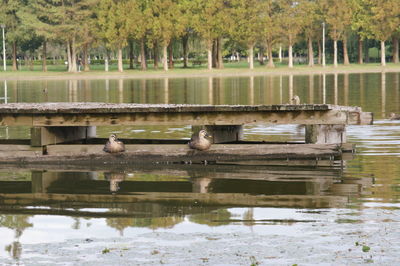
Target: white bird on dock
201, 141
295, 100
114, 145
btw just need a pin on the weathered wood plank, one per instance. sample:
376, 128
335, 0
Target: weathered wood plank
101, 114
196, 119
139, 154
101, 108
18, 151
172, 150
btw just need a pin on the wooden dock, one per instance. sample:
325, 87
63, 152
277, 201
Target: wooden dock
58, 131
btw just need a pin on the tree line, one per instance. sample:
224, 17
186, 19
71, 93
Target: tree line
82, 26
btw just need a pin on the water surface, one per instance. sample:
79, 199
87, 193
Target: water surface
293, 213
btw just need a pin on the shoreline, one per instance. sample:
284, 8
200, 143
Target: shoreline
196, 73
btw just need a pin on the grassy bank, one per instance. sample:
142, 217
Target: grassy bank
230, 69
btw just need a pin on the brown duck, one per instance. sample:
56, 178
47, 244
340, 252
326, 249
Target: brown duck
393, 116
114, 145
200, 142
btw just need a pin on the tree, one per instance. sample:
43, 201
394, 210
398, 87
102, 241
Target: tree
166, 23
246, 24
113, 28
339, 17
138, 25
377, 20
291, 22
270, 28
208, 18
385, 20
312, 26
15, 29
360, 19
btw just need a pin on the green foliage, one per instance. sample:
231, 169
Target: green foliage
85, 24
291, 19
246, 21
365, 248
338, 16
112, 23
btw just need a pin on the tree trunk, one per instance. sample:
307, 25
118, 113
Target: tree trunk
106, 62
310, 53
170, 56
30, 60
143, 64
209, 54
251, 56
155, 54
185, 46
130, 43
280, 53
14, 56
346, 61
44, 59
270, 59
383, 59
335, 53
261, 56
395, 49
85, 61
366, 51
360, 50
219, 53
120, 63
319, 53
69, 56
165, 57
214, 54
73, 56
290, 55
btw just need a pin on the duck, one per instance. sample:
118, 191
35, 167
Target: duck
200, 142
394, 116
114, 145
295, 100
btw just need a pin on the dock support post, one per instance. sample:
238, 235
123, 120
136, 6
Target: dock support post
222, 134
41, 136
326, 134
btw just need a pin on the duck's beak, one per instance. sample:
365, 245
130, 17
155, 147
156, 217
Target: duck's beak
209, 136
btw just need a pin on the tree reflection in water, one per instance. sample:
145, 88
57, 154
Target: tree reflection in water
18, 223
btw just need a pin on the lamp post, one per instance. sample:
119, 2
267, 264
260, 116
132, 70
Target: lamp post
4, 47
323, 44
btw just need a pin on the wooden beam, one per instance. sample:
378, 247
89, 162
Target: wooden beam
100, 114
41, 136
138, 154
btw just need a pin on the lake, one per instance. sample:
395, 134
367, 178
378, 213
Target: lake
344, 213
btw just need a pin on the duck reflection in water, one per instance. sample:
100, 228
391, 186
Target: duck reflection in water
115, 179
394, 116
201, 141
114, 145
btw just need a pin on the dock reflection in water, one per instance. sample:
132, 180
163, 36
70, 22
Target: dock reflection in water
164, 196
190, 189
